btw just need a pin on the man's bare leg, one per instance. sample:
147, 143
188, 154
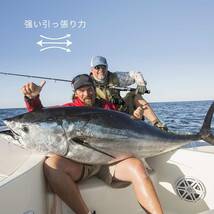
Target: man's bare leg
148, 111
61, 175
133, 170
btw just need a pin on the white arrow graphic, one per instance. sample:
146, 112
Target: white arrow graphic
42, 43
54, 43
58, 38
56, 47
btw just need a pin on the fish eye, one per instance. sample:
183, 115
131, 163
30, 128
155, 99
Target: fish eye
25, 129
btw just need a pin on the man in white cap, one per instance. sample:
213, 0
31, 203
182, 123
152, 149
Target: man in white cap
106, 81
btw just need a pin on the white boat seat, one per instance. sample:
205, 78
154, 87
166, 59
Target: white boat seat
96, 187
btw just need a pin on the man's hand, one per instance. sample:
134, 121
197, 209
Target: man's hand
161, 126
138, 114
31, 90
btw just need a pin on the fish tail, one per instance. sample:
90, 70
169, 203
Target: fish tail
205, 132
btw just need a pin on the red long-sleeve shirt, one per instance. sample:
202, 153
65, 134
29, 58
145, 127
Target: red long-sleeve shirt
35, 104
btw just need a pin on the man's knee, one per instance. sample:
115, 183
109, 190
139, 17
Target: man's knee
136, 166
140, 101
136, 100
50, 165
64, 165
53, 162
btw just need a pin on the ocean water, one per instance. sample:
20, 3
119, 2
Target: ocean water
180, 117
6, 113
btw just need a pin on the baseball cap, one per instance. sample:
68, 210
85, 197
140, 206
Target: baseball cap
82, 80
98, 60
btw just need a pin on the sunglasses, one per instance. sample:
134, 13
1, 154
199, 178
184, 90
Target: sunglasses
98, 67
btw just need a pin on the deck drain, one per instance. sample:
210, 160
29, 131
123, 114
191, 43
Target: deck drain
190, 189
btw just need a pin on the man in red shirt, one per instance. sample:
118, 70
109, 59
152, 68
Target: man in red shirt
64, 174
33, 102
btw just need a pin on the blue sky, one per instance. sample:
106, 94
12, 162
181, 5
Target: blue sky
170, 42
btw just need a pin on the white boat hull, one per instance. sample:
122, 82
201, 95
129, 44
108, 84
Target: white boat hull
23, 189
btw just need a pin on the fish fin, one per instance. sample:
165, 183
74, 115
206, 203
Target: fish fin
84, 143
205, 131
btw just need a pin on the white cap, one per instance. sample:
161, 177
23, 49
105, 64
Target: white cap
98, 60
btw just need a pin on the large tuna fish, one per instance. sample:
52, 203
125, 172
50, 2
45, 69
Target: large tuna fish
96, 136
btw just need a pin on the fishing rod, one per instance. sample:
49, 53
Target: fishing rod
65, 80
38, 77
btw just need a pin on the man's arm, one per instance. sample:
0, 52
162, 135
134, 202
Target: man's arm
128, 78
31, 93
33, 104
